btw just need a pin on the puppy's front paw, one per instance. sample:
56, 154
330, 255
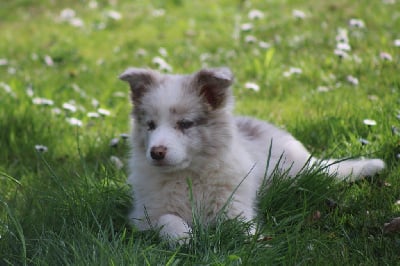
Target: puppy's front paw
174, 229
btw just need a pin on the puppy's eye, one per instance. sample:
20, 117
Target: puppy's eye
184, 124
151, 125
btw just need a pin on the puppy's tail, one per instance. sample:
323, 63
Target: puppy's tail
351, 169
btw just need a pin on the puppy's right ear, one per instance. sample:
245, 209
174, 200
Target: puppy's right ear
140, 80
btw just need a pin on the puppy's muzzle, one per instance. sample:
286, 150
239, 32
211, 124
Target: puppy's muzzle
158, 153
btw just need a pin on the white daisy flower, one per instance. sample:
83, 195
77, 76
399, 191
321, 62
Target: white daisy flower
74, 121
369, 122
299, 14
291, 71
103, 112
342, 35
69, 107
163, 52
246, 26
3, 62
67, 14
6, 87
252, 86
255, 14
341, 53
93, 115
162, 64
356, 23
12, 70
114, 142
386, 56
343, 46
158, 12
42, 101
323, 89
95, 102
115, 15
77, 22
48, 60
250, 39
264, 45
93, 4
29, 91
141, 52
56, 111
117, 162
352, 80
41, 148
124, 136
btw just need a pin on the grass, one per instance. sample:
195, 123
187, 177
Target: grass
69, 204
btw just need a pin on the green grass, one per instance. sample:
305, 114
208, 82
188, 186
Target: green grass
69, 205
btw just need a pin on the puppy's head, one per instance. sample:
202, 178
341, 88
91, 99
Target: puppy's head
180, 119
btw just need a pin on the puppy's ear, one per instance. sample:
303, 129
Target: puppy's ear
213, 85
140, 80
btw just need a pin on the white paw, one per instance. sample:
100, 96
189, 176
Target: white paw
173, 228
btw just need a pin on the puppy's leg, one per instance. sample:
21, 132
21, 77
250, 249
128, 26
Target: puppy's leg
244, 209
352, 170
174, 228
294, 158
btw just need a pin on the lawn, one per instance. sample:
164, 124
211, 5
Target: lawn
327, 71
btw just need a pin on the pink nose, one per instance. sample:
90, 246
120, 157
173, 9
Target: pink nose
158, 153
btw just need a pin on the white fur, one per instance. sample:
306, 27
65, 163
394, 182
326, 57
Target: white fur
214, 165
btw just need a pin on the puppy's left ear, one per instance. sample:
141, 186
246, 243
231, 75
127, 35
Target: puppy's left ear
213, 85
140, 80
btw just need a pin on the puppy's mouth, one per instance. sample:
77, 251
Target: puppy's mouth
166, 166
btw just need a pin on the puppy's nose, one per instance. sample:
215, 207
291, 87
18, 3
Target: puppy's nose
158, 152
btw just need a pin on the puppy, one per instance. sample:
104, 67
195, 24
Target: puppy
189, 152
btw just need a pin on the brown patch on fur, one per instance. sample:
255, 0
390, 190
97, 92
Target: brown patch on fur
140, 81
213, 89
140, 88
138, 113
213, 96
249, 129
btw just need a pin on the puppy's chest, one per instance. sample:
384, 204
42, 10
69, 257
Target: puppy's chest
203, 197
